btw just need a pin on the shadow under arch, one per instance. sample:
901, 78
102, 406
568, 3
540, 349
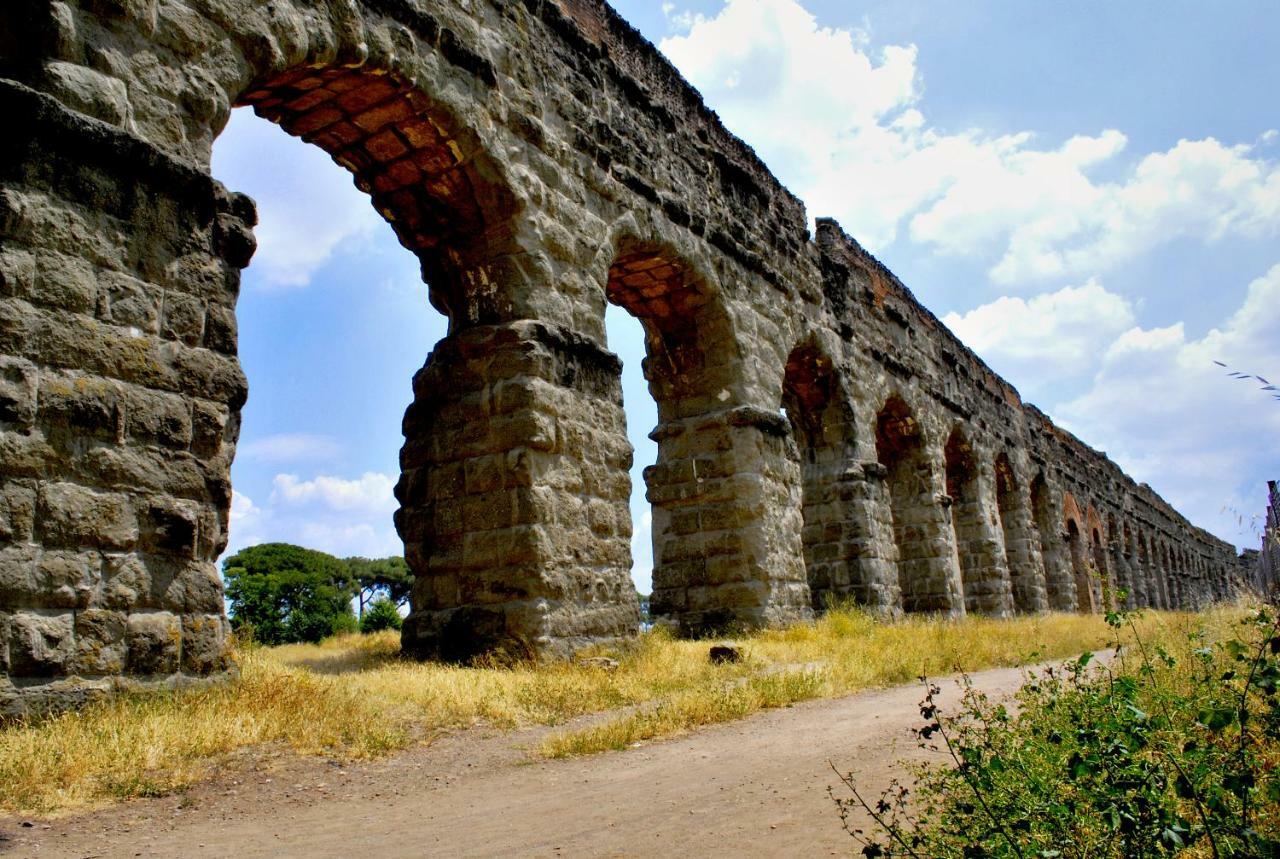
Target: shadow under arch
823, 429
1023, 560
961, 464
919, 526
1059, 587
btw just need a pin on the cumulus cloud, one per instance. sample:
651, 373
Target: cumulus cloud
371, 491
842, 126
307, 206
1170, 416
289, 447
1042, 340
338, 515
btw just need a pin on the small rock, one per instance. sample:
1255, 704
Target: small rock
724, 653
604, 663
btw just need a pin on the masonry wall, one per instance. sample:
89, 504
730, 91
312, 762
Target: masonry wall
821, 435
1267, 575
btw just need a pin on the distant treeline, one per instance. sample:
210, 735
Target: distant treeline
279, 593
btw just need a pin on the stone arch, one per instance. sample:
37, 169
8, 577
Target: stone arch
426, 173
925, 557
1059, 584
823, 428
1136, 583
1162, 573
1075, 530
1023, 557
720, 556
978, 544
1100, 578
1146, 570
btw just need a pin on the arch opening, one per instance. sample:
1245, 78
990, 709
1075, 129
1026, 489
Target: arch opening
909, 480
1080, 566
688, 366
822, 430
1100, 589
966, 518
425, 173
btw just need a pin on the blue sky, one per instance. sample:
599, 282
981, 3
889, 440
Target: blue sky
1088, 193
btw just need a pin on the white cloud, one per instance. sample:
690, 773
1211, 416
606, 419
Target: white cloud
843, 129
289, 447
1171, 417
333, 514
1038, 341
372, 491
307, 205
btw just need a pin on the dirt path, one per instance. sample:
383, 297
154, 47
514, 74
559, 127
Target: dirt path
757, 787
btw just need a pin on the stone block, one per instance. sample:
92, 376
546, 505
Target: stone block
171, 526
183, 318
154, 642
158, 417
17, 273
99, 643
190, 587
209, 425
68, 578
72, 515
89, 91
126, 583
17, 391
17, 512
131, 302
86, 406
204, 643
66, 282
40, 644
19, 585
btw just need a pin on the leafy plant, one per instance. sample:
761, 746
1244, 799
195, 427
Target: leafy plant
381, 614
1155, 754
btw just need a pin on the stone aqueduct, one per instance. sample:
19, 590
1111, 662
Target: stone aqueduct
821, 434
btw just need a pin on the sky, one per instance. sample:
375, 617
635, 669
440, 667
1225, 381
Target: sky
1088, 194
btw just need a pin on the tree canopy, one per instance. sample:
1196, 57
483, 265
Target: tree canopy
286, 593
380, 578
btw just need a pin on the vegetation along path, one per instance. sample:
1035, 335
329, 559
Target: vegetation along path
752, 787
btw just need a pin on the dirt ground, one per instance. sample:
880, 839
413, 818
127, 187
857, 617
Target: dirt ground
757, 787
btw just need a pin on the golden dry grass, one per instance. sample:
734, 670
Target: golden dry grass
353, 697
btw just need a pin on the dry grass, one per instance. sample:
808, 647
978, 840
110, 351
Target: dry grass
352, 697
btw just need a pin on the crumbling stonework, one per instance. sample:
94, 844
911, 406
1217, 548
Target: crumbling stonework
822, 436
1266, 575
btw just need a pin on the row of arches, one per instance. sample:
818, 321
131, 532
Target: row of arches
940, 522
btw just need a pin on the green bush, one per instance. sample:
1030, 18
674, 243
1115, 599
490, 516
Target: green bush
381, 614
285, 593
1158, 754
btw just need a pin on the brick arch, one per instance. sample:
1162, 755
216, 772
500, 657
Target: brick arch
821, 414
1059, 579
1076, 531
691, 351
1023, 555
928, 581
426, 173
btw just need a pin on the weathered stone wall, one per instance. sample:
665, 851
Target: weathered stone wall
821, 435
1266, 578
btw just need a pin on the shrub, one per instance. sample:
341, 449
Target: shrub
381, 614
1165, 751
